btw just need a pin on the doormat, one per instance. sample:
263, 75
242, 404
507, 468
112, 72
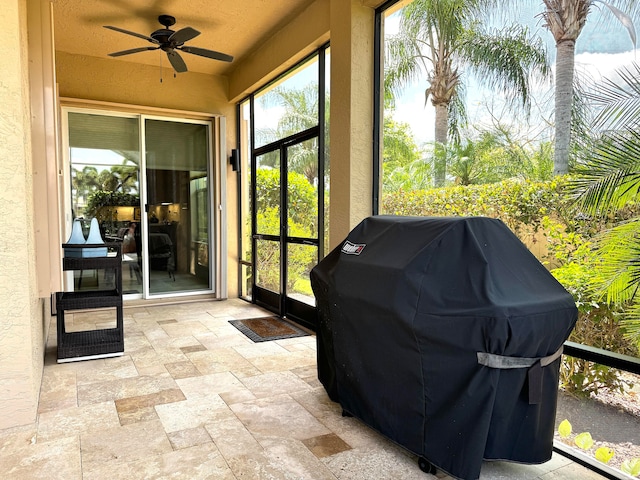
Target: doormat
267, 328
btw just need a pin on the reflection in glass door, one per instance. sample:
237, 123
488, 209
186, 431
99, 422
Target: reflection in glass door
285, 226
178, 232
147, 181
104, 161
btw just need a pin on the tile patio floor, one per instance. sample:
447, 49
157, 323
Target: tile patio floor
193, 398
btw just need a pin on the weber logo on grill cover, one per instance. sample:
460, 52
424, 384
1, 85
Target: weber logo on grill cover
353, 248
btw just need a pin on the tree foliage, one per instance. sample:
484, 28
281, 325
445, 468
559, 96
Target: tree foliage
437, 39
607, 189
302, 222
300, 113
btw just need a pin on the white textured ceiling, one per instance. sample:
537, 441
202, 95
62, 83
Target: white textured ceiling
234, 27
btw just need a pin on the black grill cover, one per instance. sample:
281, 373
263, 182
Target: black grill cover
405, 307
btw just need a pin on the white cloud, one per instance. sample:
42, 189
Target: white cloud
604, 64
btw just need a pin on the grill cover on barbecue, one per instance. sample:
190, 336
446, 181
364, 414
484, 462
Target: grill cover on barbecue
444, 335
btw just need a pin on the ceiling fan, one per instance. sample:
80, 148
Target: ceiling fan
171, 41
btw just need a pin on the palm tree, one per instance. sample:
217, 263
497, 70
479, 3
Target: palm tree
83, 182
608, 183
300, 113
437, 38
565, 20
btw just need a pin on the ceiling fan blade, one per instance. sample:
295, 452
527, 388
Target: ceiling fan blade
203, 52
133, 50
183, 35
176, 61
139, 35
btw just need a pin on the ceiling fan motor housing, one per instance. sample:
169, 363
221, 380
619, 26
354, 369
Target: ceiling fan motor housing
162, 35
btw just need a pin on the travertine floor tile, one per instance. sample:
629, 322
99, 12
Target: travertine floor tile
261, 349
220, 360
141, 408
207, 385
193, 348
184, 369
282, 458
198, 462
276, 383
157, 357
58, 390
115, 368
77, 420
124, 388
189, 438
280, 363
123, 444
184, 328
57, 459
16, 439
279, 416
192, 413
221, 338
385, 461
326, 445
232, 438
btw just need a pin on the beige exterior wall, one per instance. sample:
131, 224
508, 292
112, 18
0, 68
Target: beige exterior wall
110, 80
299, 38
352, 32
21, 332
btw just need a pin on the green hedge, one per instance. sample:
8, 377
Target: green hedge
516, 203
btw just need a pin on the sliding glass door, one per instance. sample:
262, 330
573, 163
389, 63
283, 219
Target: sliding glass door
148, 182
177, 207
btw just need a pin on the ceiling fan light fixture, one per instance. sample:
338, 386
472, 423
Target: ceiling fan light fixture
170, 42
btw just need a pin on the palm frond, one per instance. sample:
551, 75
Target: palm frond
631, 324
618, 101
618, 250
507, 59
608, 174
403, 64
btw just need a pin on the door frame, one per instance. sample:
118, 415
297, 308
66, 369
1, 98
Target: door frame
279, 302
213, 212
217, 172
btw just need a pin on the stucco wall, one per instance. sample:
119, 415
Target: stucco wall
111, 80
21, 336
351, 116
299, 38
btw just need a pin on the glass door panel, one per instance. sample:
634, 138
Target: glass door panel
285, 242
267, 245
268, 265
302, 218
178, 247
104, 157
300, 260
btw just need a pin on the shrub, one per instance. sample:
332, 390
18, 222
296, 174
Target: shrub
598, 323
521, 205
102, 198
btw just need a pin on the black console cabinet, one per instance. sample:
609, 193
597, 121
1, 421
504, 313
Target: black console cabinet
99, 343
